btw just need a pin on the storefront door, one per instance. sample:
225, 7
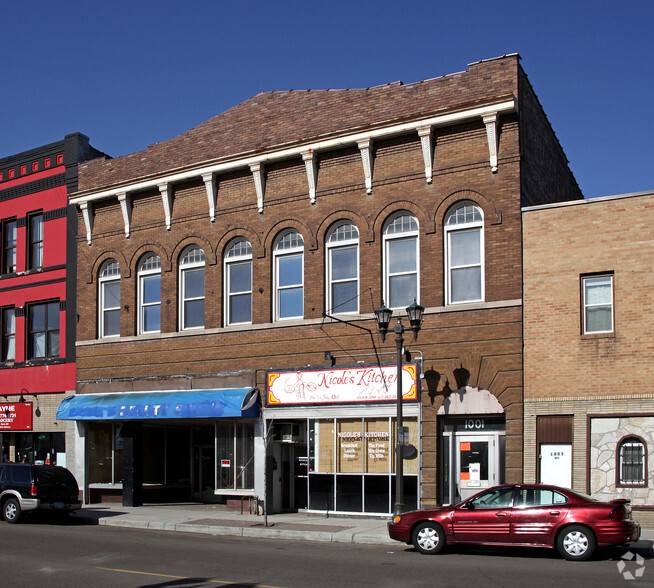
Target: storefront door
472, 457
203, 472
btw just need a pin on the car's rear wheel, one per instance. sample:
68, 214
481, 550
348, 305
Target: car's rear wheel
11, 510
576, 543
428, 538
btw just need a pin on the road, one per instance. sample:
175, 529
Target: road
48, 553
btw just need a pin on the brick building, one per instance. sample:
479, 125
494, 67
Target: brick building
37, 296
589, 363
231, 259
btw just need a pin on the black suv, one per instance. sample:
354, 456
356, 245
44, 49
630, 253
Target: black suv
25, 487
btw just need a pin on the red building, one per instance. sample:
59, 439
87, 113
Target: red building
37, 296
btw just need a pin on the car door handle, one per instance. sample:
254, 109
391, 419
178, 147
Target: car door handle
555, 512
500, 514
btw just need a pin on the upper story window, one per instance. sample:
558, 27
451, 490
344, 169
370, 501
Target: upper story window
149, 284
43, 330
191, 286
632, 460
9, 233
109, 299
8, 334
343, 268
598, 304
238, 282
464, 254
35, 237
401, 271
288, 259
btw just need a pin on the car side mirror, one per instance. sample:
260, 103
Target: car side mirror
470, 505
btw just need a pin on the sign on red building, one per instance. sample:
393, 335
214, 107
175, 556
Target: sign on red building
16, 416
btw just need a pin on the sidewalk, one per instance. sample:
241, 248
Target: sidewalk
216, 519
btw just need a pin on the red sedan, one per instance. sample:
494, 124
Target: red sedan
521, 515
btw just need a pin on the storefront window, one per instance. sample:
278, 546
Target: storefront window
235, 455
352, 461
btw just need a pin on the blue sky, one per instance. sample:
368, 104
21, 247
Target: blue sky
132, 73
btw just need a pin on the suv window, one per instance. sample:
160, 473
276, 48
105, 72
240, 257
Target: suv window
21, 474
53, 475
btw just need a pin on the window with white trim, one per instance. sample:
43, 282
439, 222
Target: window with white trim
401, 255
288, 260
631, 455
149, 280
598, 304
191, 285
464, 254
238, 282
343, 269
109, 299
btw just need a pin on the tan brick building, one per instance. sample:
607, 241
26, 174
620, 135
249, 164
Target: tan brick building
589, 359
214, 263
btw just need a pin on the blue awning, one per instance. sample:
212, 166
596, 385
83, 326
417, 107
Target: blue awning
169, 404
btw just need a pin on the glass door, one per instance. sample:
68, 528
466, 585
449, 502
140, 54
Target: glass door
476, 463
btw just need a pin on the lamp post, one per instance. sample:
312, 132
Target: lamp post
383, 316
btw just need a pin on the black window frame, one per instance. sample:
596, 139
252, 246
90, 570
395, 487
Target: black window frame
6, 248
49, 332
31, 241
7, 336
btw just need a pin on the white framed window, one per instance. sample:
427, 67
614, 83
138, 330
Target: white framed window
109, 299
598, 304
631, 467
401, 255
342, 269
238, 282
191, 288
288, 260
149, 280
464, 254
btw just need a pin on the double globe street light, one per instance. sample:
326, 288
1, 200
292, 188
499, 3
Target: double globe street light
383, 316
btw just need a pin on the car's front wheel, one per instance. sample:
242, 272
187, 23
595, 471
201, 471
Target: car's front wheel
576, 543
429, 538
11, 510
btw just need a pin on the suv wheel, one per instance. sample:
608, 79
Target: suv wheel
11, 510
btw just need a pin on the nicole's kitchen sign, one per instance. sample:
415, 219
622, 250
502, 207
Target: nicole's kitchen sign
353, 384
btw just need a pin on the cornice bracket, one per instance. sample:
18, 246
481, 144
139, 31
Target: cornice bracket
126, 209
491, 120
167, 200
259, 183
366, 158
212, 188
427, 151
87, 213
310, 164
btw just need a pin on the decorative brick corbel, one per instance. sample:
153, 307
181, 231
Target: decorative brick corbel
167, 200
491, 120
366, 158
259, 183
126, 209
211, 187
310, 164
87, 214
425, 141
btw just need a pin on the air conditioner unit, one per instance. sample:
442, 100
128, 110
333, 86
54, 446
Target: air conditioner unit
290, 433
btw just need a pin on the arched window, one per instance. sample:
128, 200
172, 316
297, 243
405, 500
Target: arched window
632, 462
149, 280
109, 299
238, 282
401, 268
464, 254
288, 259
342, 268
191, 288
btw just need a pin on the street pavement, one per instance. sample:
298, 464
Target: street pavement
216, 519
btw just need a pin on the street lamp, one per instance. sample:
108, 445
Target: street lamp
383, 316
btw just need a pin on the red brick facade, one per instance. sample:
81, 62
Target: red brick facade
478, 345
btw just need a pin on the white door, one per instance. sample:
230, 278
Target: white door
476, 467
556, 464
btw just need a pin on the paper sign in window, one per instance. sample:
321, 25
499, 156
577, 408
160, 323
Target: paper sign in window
465, 445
